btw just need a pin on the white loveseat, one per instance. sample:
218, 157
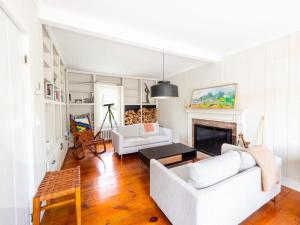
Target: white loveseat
227, 202
132, 138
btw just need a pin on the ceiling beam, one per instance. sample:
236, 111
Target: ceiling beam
94, 28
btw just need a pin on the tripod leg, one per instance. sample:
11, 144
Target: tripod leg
112, 115
103, 121
110, 118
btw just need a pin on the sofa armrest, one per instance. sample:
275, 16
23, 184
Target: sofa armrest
117, 141
176, 198
166, 131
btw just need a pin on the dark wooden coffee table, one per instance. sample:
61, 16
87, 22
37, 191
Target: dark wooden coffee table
168, 154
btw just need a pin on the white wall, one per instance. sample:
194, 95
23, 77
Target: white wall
24, 14
268, 78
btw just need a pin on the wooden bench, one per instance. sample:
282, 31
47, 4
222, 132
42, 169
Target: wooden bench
58, 184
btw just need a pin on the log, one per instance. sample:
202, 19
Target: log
134, 116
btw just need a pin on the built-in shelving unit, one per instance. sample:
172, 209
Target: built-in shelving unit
80, 94
136, 99
55, 104
81, 87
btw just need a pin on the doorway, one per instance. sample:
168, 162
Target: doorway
15, 152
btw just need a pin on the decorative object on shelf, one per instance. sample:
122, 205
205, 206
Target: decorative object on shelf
164, 89
48, 90
147, 92
242, 142
62, 97
218, 97
70, 97
86, 100
78, 100
92, 97
56, 94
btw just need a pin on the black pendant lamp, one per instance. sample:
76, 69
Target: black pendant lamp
163, 88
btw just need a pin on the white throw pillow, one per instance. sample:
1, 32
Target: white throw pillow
228, 147
247, 161
129, 130
144, 133
213, 170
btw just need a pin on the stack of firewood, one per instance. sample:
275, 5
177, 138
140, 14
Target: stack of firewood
149, 115
133, 117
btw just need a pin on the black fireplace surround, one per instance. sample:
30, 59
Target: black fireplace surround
209, 140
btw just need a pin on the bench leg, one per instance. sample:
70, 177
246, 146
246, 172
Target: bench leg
78, 205
36, 211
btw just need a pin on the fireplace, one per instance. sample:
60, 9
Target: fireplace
208, 136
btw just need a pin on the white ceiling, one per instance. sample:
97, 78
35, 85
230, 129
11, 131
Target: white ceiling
87, 53
206, 30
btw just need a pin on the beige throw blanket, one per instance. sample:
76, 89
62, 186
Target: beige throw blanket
265, 159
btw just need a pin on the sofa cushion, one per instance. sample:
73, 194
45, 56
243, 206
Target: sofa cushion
134, 141
228, 147
247, 161
155, 131
156, 138
129, 130
181, 171
213, 170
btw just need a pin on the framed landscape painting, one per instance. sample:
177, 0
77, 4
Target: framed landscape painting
219, 97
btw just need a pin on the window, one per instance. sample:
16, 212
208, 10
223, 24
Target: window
107, 94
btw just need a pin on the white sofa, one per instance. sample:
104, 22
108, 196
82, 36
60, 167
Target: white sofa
227, 202
132, 138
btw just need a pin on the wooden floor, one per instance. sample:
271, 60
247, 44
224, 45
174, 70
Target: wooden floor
115, 193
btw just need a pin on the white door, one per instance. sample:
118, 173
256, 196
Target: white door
14, 179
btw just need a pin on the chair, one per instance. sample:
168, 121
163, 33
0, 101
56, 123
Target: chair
84, 137
63, 185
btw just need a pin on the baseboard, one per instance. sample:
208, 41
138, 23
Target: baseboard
291, 183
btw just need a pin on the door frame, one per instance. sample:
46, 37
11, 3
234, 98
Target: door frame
16, 19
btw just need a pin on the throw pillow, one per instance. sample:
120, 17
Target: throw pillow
155, 130
210, 171
247, 161
148, 127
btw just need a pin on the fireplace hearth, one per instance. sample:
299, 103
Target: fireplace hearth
208, 135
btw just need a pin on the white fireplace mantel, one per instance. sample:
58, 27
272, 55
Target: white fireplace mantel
225, 115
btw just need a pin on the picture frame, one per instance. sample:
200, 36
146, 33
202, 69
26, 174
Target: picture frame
49, 90
216, 97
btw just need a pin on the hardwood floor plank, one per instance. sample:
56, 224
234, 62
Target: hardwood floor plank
118, 193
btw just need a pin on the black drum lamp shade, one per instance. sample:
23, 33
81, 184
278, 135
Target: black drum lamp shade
163, 88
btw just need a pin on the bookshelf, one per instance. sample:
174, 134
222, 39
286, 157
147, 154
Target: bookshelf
55, 104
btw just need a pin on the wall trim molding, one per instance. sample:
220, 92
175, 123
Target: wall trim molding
290, 183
